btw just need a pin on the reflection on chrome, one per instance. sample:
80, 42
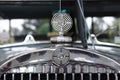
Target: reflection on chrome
41, 61
82, 59
77, 68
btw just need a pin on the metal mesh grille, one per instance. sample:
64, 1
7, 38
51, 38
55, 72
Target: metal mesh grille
61, 22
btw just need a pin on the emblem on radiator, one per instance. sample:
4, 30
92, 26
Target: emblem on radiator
61, 56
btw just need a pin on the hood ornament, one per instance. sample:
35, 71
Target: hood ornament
62, 23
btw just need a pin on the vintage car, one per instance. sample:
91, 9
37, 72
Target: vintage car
67, 55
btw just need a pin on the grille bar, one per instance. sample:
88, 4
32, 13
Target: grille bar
4, 77
38, 76
98, 76
73, 76
21, 76
30, 76
90, 75
64, 76
55, 76
47, 76
13, 76
108, 76
81, 76
116, 77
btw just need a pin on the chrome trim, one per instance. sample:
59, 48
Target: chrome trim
21, 76
23, 43
38, 76
99, 76
13, 76
61, 39
73, 76
108, 77
64, 76
4, 76
116, 77
81, 76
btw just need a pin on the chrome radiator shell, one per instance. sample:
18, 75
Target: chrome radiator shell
38, 64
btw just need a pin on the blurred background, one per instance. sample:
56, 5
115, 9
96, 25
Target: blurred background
107, 29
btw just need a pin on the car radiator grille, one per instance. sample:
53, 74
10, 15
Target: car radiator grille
60, 76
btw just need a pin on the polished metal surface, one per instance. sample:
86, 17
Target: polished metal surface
61, 39
61, 56
61, 22
41, 61
47, 69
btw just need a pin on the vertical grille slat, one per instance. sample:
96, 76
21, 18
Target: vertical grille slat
55, 76
99, 78
39, 76
21, 76
47, 76
116, 77
30, 76
73, 76
64, 76
4, 77
13, 76
90, 76
81, 76
108, 78
60, 76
